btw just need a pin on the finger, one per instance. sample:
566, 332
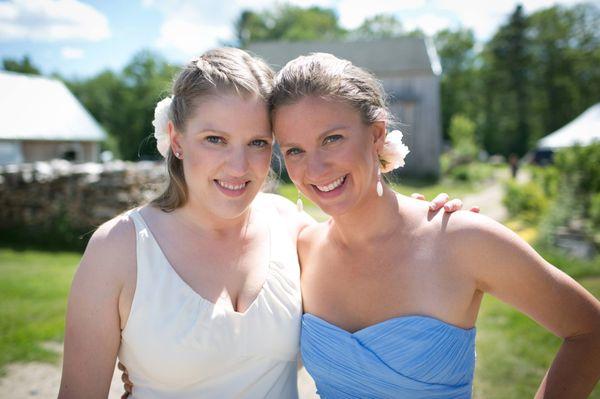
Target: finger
438, 201
418, 196
128, 387
124, 377
453, 205
475, 209
120, 366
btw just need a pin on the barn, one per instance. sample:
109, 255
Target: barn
409, 70
42, 120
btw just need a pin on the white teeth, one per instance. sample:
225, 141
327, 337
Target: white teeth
333, 185
231, 186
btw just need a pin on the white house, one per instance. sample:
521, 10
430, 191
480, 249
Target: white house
42, 120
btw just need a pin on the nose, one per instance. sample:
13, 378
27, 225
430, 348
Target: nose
237, 162
316, 168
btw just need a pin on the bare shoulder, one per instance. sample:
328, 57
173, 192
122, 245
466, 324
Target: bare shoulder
463, 234
288, 211
475, 228
110, 253
310, 237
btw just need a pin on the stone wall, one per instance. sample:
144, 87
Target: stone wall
63, 198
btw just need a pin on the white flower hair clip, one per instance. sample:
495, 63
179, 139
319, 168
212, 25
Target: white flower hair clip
160, 123
393, 153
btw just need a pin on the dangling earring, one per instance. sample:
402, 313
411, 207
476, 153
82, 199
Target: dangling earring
299, 203
379, 184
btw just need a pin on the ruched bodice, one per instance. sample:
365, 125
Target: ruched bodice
403, 357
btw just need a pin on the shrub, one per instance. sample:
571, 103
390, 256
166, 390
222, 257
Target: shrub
526, 201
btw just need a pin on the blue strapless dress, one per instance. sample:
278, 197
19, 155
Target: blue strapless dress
410, 357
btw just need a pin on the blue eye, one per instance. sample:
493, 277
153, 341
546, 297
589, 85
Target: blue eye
214, 139
293, 151
259, 143
332, 138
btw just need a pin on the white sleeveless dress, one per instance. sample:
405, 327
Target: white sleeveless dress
177, 344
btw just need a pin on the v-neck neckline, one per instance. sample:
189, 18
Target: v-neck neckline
230, 309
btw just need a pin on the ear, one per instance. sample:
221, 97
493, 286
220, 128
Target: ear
174, 138
378, 130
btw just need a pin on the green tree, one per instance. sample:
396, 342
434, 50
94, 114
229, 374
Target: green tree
456, 50
124, 102
288, 22
462, 135
380, 26
22, 66
565, 49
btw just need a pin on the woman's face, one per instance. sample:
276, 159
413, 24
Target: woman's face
226, 149
330, 154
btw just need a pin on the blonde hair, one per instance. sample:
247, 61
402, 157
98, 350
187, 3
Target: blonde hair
228, 70
326, 76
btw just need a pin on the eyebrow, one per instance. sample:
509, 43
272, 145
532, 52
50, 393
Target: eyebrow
321, 136
224, 133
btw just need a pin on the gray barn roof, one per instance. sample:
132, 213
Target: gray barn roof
382, 57
38, 108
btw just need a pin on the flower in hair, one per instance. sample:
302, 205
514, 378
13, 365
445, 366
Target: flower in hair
393, 153
160, 122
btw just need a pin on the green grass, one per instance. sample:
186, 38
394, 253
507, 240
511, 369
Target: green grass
34, 286
430, 189
513, 352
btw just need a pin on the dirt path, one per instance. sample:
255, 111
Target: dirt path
42, 380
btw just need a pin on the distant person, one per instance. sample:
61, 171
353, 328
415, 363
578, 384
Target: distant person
513, 162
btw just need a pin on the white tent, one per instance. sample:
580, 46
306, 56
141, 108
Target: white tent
583, 130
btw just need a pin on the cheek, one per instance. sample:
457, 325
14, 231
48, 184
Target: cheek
294, 170
260, 161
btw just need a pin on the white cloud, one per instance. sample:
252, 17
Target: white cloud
353, 12
190, 38
191, 27
428, 23
71, 53
46, 20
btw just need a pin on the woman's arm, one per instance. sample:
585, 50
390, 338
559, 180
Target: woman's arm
92, 334
507, 267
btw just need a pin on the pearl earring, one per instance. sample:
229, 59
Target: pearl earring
178, 154
299, 203
379, 184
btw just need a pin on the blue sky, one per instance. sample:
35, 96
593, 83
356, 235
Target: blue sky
81, 38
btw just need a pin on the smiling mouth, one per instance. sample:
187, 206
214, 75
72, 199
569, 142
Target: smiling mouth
331, 186
231, 186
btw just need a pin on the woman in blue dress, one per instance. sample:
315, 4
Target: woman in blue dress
391, 290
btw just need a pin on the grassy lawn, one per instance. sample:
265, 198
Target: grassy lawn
34, 286
513, 351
